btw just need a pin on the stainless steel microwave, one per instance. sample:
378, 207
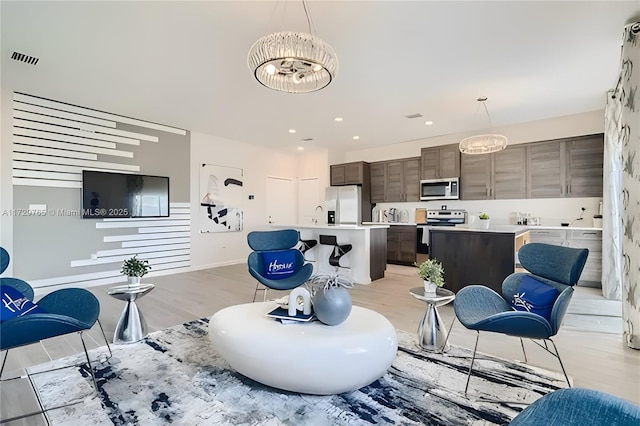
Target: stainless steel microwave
440, 189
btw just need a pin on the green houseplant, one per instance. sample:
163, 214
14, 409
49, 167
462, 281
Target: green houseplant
135, 269
432, 273
484, 220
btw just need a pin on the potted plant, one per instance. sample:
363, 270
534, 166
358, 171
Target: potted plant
432, 273
484, 220
135, 269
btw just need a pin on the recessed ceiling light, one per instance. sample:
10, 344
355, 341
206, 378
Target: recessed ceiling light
292, 130
428, 123
338, 119
300, 148
356, 137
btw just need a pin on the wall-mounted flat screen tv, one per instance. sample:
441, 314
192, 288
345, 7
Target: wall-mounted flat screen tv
122, 195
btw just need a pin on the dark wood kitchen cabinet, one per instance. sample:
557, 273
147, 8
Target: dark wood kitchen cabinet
356, 173
545, 169
585, 158
500, 175
378, 172
440, 162
401, 244
395, 180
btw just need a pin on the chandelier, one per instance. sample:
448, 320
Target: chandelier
483, 144
293, 62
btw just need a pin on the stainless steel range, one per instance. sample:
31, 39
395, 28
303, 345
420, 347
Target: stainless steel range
446, 217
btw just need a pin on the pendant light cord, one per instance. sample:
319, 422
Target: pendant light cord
488, 116
308, 15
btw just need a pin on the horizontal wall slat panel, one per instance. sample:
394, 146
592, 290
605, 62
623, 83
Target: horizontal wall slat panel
163, 229
75, 124
158, 242
136, 250
48, 183
22, 97
143, 237
170, 256
70, 146
180, 205
147, 219
53, 152
47, 175
28, 165
173, 211
62, 114
138, 224
74, 278
18, 131
74, 162
18, 123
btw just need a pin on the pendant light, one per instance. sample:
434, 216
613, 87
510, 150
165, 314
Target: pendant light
483, 144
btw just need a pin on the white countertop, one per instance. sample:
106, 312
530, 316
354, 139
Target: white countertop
498, 229
364, 226
575, 228
389, 223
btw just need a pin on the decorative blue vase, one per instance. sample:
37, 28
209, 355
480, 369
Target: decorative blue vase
332, 306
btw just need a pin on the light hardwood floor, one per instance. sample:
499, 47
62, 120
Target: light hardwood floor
594, 360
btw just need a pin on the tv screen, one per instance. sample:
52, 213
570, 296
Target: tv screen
121, 195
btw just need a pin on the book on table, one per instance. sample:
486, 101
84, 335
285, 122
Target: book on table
282, 314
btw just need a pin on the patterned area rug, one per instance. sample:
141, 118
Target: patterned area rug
175, 377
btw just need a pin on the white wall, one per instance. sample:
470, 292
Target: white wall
6, 184
218, 249
552, 211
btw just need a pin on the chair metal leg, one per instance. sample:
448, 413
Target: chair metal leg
4, 360
475, 348
523, 351
86, 354
449, 333
557, 355
106, 341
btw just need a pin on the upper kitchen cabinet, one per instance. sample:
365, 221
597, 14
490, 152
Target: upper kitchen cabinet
499, 176
545, 169
378, 172
566, 168
440, 162
399, 178
585, 157
349, 173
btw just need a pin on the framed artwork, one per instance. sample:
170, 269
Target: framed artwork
221, 194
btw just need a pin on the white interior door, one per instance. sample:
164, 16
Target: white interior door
308, 201
281, 201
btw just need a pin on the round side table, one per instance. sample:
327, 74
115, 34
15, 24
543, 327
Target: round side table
131, 326
432, 334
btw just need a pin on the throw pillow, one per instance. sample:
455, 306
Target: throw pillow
535, 296
14, 304
279, 264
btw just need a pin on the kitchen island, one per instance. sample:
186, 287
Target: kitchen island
365, 262
476, 256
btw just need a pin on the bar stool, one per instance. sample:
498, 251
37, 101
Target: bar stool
306, 245
339, 250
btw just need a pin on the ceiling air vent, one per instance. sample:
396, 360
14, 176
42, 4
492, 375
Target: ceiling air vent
416, 115
307, 139
32, 60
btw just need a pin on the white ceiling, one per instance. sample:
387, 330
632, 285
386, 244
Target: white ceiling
184, 64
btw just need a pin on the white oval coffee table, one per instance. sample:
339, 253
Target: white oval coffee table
310, 358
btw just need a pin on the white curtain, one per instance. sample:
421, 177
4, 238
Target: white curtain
611, 209
629, 136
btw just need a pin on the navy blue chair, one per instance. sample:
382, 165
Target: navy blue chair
273, 242
69, 310
578, 407
481, 309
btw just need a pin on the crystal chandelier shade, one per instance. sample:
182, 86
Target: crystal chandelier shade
293, 62
483, 144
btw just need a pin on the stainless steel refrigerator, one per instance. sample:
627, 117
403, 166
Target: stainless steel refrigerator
344, 205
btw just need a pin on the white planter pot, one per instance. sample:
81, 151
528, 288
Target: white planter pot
134, 280
429, 287
484, 223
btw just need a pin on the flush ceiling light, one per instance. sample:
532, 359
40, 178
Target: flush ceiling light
293, 62
356, 137
292, 131
483, 144
338, 119
428, 123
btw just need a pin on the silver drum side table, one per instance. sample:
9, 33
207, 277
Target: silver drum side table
432, 334
131, 326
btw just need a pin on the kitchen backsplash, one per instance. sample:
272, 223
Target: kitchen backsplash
552, 212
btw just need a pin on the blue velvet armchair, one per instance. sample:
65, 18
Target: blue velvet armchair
271, 242
578, 407
481, 309
70, 310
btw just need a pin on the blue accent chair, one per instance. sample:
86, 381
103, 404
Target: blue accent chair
69, 310
578, 407
481, 309
266, 241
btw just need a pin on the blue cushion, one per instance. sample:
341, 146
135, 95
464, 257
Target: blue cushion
535, 296
15, 304
279, 264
